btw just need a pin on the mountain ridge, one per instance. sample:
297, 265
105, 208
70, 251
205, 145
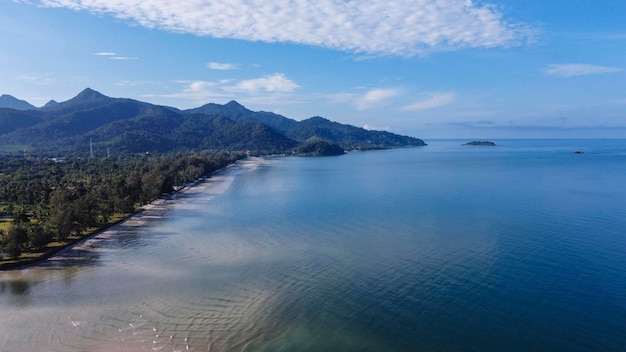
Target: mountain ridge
130, 126
11, 102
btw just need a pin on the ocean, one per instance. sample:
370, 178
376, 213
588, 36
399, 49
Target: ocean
517, 247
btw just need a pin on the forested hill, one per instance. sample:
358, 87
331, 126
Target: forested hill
120, 125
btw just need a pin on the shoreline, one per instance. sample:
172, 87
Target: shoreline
152, 210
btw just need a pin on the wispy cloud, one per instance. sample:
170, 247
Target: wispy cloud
114, 56
375, 97
222, 66
619, 101
402, 27
37, 79
133, 83
571, 70
434, 100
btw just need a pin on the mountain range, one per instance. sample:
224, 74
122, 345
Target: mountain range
122, 125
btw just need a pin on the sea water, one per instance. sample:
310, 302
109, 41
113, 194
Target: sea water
518, 247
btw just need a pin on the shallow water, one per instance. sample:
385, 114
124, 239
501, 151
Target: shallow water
447, 248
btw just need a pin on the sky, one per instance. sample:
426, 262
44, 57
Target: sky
425, 68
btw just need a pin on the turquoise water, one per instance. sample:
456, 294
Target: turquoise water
517, 247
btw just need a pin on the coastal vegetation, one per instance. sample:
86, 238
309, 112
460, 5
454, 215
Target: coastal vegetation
46, 204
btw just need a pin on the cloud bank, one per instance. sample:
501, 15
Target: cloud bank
380, 27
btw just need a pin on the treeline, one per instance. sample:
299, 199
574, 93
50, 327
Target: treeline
48, 201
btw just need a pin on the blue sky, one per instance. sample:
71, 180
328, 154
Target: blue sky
426, 68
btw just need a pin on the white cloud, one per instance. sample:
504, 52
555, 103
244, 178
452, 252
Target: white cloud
571, 70
195, 87
435, 100
105, 53
271, 83
374, 98
401, 27
376, 128
222, 66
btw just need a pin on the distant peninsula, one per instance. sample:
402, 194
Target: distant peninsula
481, 143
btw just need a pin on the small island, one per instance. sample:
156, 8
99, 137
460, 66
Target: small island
481, 143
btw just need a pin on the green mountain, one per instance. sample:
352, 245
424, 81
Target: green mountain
120, 125
237, 112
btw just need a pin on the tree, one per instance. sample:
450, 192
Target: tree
15, 240
62, 213
38, 236
151, 185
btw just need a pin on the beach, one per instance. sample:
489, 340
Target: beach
215, 183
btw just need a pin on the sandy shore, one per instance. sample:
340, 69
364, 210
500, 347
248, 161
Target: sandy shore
216, 183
